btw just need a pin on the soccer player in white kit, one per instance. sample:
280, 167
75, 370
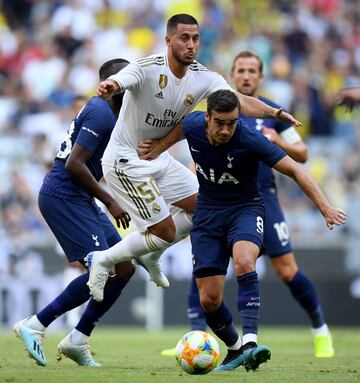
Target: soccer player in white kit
160, 90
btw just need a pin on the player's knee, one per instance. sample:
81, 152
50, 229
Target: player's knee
286, 273
124, 270
285, 268
165, 230
210, 302
244, 264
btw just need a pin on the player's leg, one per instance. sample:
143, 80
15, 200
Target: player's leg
147, 203
75, 344
246, 235
245, 254
76, 236
210, 259
195, 312
183, 223
278, 248
304, 292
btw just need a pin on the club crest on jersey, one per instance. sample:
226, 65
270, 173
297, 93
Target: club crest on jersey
189, 99
156, 208
163, 81
229, 158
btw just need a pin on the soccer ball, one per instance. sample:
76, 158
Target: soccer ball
197, 352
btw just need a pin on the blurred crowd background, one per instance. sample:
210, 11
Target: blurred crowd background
50, 52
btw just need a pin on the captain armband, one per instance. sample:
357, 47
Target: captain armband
290, 135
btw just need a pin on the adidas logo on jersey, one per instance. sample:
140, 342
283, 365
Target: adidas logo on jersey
159, 95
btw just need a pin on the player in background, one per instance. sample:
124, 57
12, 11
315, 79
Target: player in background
229, 216
161, 90
247, 75
67, 203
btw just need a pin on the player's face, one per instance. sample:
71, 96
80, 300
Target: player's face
184, 43
246, 75
221, 126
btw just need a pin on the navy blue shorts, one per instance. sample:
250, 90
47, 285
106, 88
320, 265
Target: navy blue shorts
79, 226
276, 233
215, 231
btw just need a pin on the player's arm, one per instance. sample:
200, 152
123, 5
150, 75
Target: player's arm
333, 216
76, 166
151, 149
129, 78
348, 97
253, 107
289, 141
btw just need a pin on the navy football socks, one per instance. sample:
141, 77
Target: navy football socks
75, 294
195, 312
248, 302
220, 322
95, 310
304, 292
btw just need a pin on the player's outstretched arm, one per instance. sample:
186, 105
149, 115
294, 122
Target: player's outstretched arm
151, 149
107, 88
76, 166
333, 216
251, 106
348, 97
298, 150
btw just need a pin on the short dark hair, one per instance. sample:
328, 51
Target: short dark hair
222, 101
111, 67
181, 18
248, 54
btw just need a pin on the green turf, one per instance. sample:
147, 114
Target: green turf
132, 355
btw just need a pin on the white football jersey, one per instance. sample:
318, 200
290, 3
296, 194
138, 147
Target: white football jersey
155, 101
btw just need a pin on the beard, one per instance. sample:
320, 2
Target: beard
181, 60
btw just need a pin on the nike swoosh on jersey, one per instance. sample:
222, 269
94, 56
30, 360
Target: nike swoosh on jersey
193, 149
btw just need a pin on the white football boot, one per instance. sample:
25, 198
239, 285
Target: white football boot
152, 264
32, 339
80, 354
98, 275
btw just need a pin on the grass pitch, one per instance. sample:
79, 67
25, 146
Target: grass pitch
133, 355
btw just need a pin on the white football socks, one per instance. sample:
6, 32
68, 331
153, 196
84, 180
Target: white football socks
249, 338
134, 245
34, 323
78, 338
237, 345
323, 330
137, 244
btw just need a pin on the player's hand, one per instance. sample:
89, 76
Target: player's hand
348, 97
107, 88
149, 149
122, 218
287, 117
334, 216
271, 134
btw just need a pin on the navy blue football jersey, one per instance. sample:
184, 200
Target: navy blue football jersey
266, 175
91, 129
228, 173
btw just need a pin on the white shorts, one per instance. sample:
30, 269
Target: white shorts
146, 192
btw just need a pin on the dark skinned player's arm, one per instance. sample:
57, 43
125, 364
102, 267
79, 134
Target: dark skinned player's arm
76, 166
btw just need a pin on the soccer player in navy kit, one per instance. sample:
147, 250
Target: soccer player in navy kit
247, 75
66, 201
229, 216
